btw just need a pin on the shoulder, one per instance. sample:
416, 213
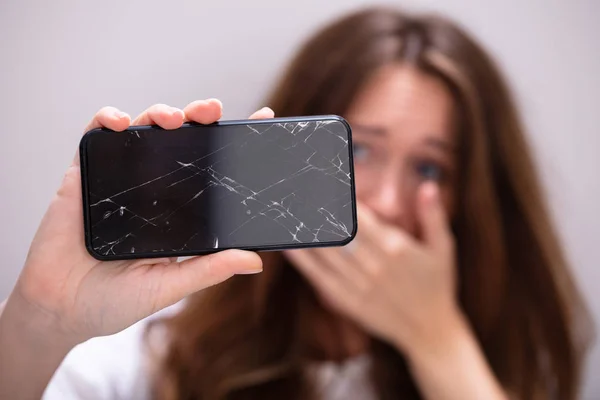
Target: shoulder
109, 367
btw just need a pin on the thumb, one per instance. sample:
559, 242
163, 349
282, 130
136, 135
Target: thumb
198, 273
432, 217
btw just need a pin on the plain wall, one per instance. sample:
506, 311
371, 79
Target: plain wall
61, 61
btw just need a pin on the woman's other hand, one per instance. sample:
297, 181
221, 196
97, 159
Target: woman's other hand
396, 287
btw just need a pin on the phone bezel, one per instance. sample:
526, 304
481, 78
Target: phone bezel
187, 253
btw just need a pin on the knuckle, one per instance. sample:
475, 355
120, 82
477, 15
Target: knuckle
105, 110
394, 244
70, 183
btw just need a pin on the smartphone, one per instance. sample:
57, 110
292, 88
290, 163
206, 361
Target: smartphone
282, 183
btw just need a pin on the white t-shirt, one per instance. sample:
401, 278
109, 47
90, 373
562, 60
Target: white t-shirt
117, 368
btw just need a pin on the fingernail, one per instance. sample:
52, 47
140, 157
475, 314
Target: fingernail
215, 101
121, 114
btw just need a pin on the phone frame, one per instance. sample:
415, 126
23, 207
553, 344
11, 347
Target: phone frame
187, 253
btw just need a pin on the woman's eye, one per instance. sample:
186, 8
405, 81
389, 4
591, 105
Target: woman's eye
430, 171
361, 152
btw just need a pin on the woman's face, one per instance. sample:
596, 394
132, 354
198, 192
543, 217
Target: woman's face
404, 133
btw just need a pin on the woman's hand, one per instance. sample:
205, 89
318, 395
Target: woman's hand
80, 297
403, 291
64, 296
397, 288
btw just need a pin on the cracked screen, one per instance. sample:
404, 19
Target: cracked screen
264, 184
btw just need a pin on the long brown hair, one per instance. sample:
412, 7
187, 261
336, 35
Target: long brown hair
248, 338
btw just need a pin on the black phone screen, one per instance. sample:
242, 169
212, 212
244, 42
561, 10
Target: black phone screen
270, 184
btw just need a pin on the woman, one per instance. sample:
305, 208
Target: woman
455, 287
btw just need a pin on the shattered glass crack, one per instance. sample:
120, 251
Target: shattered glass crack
212, 187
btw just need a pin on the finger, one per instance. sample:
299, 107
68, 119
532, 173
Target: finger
263, 113
351, 274
362, 254
322, 279
107, 117
183, 278
162, 115
204, 111
111, 118
432, 217
380, 235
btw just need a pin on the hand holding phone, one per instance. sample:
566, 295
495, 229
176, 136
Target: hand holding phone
65, 296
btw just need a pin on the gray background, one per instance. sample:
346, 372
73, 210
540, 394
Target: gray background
61, 61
